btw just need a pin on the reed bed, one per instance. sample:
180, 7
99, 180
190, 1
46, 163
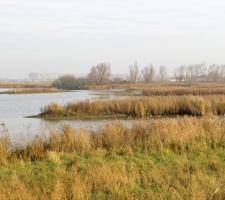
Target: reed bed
181, 90
161, 159
140, 107
158, 86
174, 134
168, 89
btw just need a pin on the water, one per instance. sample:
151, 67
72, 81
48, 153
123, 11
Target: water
14, 109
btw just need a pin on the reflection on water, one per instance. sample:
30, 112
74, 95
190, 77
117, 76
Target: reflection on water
13, 109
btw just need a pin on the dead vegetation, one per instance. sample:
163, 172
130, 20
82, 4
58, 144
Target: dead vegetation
160, 159
180, 90
140, 107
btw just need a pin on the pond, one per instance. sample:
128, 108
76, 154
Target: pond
15, 108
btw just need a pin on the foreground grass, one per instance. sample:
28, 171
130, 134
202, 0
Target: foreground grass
139, 107
118, 174
163, 159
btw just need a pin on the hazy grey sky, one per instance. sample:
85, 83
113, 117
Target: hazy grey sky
72, 35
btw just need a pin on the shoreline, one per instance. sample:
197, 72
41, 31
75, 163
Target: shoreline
32, 91
80, 117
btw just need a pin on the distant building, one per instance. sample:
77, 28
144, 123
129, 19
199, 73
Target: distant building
42, 76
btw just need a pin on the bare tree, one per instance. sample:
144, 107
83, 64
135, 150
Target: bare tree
191, 75
163, 74
148, 74
196, 73
202, 72
180, 73
222, 72
100, 74
133, 75
216, 73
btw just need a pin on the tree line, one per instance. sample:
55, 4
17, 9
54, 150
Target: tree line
200, 73
101, 74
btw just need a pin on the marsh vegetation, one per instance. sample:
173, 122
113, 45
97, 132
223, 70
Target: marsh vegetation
176, 152
139, 107
162, 159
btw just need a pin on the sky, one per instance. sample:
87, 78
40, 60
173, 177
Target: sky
70, 36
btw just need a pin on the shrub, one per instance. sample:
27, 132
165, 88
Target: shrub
68, 82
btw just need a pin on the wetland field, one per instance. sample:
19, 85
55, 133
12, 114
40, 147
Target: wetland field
143, 142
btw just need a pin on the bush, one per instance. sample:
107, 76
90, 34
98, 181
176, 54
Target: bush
68, 82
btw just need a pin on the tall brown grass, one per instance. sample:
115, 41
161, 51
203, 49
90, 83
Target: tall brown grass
184, 90
161, 86
168, 89
142, 107
5, 145
175, 134
157, 159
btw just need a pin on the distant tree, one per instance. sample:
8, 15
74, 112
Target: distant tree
202, 72
222, 73
118, 80
215, 73
148, 74
163, 74
68, 82
196, 72
180, 73
133, 75
82, 80
190, 74
100, 74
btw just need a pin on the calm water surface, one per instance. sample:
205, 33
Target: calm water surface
14, 109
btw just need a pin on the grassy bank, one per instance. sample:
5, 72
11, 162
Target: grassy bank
23, 84
80, 116
33, 91
165, 159
140, 107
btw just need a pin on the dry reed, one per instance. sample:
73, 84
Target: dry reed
180, 158
140, 107
175, 134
